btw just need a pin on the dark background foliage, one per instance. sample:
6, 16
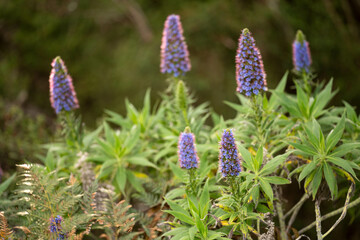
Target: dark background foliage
111, 48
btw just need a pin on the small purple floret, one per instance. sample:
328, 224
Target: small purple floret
174, 53
250, 74
229, 162
188, 157
62, 93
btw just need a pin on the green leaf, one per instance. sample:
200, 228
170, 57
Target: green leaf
344, 149
343, 164
312, 132
179, 231
247, 158
141, 161
334, 136
288, 103
274, 163
192, 231
134, 181
132, 139
178, 172
121, 178
316, 181
89, 138
4, 185
109, 134
181, 216
276, 180
254, 194
50, 162
237, 107
146, 107
201, 226
330, 180
304, 150
322, 99
266, 187
280, 88
204, 200
350, 112
193, 205
259, 158
107, 168
176, 207
302, 101
307, 170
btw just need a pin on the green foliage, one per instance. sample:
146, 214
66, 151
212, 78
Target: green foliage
325, 156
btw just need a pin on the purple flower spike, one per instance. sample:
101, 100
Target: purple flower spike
188, 157
229, 162
174, 53
62, 93
301, 53
250, 74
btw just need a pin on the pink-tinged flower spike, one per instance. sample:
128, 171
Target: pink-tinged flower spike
62, 93
188, 157
229, 161
301, 53
250, 74
174, 53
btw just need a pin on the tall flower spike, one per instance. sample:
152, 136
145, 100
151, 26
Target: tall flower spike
174, 53
229, 162
188, 157
62, 93
250, 74
301, 53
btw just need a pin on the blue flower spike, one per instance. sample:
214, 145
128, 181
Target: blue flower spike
174, 53
229, 161
188, 157
250, 74
62, 92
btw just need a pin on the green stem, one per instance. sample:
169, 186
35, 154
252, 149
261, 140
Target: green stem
258, 119
233, 183
71, 131
192, 181
307, 85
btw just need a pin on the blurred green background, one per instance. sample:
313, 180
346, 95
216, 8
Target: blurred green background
111, 49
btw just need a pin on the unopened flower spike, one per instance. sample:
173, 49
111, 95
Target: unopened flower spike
229, 161
174, 53
250, 74
62, 93
301, 53
188, 157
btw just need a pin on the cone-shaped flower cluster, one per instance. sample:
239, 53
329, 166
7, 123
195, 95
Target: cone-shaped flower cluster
229, 162
174, 53
55, 227
188, 157
62, 93
301, 53
250, 74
